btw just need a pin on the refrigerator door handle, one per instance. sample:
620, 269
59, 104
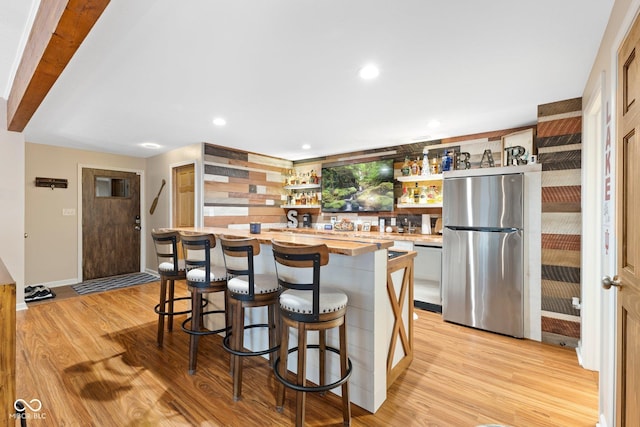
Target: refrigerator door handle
483, 229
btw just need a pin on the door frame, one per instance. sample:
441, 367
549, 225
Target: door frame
143, 245
593, 142
198, 198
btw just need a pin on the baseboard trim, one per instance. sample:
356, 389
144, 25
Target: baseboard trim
57, 283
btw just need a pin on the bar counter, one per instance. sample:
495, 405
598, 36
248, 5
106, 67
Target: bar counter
379, 314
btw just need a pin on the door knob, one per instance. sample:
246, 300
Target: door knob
608, 282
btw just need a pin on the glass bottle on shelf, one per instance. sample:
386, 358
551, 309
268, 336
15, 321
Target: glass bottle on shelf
414, 167
405, 196
416, 194
435, 165
438, 193
406, 168
423, 195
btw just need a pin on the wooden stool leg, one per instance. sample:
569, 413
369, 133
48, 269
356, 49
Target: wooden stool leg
322, 357
346, 405
282, 367
274, 332
196, 321
301, 396
162, 307
237, 337
171, 297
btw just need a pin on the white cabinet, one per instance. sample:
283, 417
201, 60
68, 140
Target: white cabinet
427, 277
427, 274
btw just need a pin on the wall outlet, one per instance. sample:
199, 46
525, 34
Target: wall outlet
68, 212
393, 222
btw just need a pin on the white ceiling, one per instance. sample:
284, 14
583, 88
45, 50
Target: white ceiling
285, 72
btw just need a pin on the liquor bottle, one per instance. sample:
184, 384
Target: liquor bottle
435, 165
416, 194
414, 167
425, 165
406, 169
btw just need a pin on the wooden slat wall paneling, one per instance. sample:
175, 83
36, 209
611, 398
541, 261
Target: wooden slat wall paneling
559, 143
242, 187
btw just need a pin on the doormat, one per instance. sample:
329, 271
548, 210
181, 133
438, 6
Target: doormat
114, 282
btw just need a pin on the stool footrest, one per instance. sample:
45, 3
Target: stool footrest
217, 331
175, 313
225, 343
318, 388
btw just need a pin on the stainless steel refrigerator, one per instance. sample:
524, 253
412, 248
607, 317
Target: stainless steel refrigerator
482, 252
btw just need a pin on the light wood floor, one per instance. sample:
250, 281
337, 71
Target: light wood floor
93, 360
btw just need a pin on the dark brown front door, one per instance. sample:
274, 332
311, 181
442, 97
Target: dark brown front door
110, 234
628, 232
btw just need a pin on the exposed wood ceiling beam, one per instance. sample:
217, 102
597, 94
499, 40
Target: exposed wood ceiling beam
59, 28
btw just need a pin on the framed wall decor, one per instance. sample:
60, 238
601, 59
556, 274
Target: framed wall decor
511, 154
366, 226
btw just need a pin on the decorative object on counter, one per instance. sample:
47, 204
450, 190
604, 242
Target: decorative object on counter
306, 220
389, 229
426, 224
533, 159
292, 216
255, 227
344, 224
489, 159
366, 226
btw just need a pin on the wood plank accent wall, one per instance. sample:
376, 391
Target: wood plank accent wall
559, 143
413, 151
242, 187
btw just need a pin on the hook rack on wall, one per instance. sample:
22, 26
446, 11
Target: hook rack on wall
51, 182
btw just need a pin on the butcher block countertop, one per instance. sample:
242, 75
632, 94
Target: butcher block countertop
429, 239
344, 243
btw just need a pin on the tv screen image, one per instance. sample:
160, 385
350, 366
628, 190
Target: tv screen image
358, 187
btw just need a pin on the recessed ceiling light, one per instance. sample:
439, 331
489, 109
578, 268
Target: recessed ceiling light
433, 124
369, 72
306, 146
219, 121
151, 145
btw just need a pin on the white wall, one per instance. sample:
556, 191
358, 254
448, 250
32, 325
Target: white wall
12, 201
45, 225
158, 168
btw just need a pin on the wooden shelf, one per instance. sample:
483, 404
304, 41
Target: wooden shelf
418, 205
301, 187
418, 178
300, 206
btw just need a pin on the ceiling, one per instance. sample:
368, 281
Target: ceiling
284, 73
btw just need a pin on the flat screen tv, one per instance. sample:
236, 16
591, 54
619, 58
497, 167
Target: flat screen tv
358, 187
